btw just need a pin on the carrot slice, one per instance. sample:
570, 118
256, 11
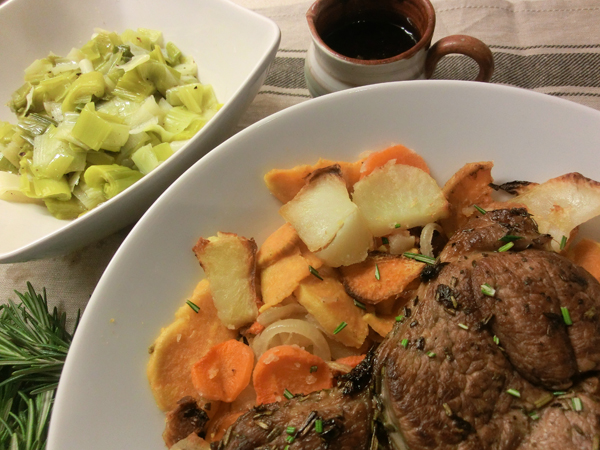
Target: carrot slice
351, 361
254, 329
288, 367
400, 153
224, 372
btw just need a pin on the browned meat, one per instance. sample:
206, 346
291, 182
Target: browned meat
484, 234
467, 369
185, 419
346, 423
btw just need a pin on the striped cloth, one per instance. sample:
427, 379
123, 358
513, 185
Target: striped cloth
546, 46
550, 46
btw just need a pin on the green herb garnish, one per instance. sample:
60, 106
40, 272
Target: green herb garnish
314, 271
313, 369
359, 304
400, 318
290, 430
404, 343
514, 393
463, 326
563, 242
566, 315
192, 305
385, 241
397, 225
577, 405
480, 209
421, 258
319, 426
506, 247
486, 289
377, 274
340, 327
287, 394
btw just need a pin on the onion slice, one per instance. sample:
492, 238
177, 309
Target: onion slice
426, 239
292, 332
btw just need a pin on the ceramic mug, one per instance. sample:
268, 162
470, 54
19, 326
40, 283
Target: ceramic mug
327, 70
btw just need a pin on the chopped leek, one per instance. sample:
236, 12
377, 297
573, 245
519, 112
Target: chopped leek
93, 122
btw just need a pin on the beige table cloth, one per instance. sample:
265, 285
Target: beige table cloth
549, 46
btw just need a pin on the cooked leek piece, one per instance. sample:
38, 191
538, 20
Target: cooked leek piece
10, 189
93, 122
98, 130
81, 91
110, 179
65, 210
148, 158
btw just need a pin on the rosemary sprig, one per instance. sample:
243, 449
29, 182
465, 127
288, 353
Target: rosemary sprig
33, 348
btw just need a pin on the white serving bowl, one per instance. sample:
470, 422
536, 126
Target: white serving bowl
104, 401
232, 46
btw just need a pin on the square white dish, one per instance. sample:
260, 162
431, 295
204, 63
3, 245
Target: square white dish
104, 400
232, 47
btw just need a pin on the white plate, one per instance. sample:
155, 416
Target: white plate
103, 399
232, 46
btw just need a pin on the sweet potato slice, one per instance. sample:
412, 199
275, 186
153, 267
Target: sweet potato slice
382, 325
586, 253
229, 262
286, 183
335, 311
180, 345
280, 279
467, 187
281, 242
381, 277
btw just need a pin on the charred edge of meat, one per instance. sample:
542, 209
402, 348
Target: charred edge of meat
462, 426
555, 322
445, 295
185, 419
431, 271
512, 187
360, 377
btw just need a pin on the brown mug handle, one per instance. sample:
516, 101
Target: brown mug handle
464, 45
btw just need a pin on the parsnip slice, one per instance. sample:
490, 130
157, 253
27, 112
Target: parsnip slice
319, 210
229, 263
399, 194
561, 204
351, 244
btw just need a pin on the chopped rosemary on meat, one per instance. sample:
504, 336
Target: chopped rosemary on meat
514, 392
496, 340
314, 369
563, 242
319, 426
290, 439
263, 425
431, 354
359, 304
340, 327
400, 318
192, 305
377, 274
543, 400
290, 430
287, 394
559, 393
287, 447
480, 209
447, 409
506, 247
577, 405
534, 415
566, 315
404, 343
486, 289
463, 326
421, 258
314, 272
510, 238
385, 241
